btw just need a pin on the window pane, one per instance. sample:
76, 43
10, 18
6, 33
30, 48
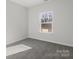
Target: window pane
46, 27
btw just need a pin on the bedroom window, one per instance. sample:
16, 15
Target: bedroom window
47, 21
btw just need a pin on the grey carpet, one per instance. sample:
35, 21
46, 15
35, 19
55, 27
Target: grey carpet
42, 50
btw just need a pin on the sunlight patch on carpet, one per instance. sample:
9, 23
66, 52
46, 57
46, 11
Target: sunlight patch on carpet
16, 49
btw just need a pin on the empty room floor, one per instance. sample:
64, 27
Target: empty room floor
41, 50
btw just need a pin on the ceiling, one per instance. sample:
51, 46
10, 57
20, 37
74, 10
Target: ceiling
29, 3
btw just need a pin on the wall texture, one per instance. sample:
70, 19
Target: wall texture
16, 22
63, 24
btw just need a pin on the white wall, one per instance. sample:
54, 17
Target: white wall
63, 25
16, 22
